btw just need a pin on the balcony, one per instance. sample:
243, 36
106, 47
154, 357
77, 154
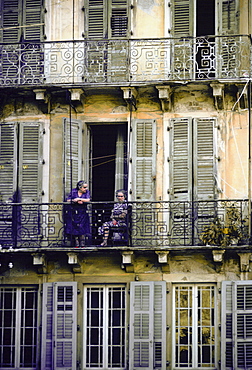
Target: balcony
124, 62
150, 225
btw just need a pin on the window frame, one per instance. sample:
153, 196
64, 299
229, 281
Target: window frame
194, 326
20, 311
104, 290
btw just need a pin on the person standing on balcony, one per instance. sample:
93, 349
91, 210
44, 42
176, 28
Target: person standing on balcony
77, 218
118, 217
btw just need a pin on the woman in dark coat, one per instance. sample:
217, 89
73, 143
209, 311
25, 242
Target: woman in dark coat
77, 220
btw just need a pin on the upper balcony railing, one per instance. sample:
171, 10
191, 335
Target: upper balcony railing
149, 224
133, 61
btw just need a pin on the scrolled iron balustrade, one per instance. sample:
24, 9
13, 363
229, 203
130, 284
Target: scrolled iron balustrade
125, 61
151, 224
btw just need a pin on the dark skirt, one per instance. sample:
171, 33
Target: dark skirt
76, 219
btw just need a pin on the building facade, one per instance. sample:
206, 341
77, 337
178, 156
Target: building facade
149, 96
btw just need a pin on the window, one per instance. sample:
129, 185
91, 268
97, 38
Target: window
18, 327
21, 57
143, 160
20, 180
192, 162
205, 56
59, 326
148, 325
105, 327
194, 331
236, 327
106, 20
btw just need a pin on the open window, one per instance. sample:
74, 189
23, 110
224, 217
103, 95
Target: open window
196, 53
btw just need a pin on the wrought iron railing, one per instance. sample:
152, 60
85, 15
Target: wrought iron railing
130, 61
149, 224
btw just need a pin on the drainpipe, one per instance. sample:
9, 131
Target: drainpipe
249, 156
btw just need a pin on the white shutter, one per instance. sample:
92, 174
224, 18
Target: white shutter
72, 153
180, 162
205, 157
59, 326
236, 336
147, 322
30, 161
143, 160
8, 157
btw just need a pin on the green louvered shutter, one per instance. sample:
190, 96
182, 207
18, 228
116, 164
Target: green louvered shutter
236, 333
59, 326
148, 325
180, 159
8, 158
143, 160
30, 161
72, 153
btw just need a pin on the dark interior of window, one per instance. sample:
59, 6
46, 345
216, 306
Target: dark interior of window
205, 20
103, 160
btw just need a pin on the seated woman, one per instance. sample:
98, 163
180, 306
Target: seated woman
118, 217
77, 220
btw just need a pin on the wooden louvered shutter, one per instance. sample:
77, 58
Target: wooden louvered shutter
119, 18
228, 20
147, 322
180, 162
236, 321
30, 161
144, 160
8, 157
183, 19
72, 153
228, 25
96, 19
59, 326
182, 49
33, 15
205, 157
10, 18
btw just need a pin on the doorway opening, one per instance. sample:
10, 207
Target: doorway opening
108, 158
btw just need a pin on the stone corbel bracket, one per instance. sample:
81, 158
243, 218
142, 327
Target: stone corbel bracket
218, 93
218, 255
74, 261
163, 259
164, 94
244, 261
40, 260
76, 94
40, 94
128, 261
130, 95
